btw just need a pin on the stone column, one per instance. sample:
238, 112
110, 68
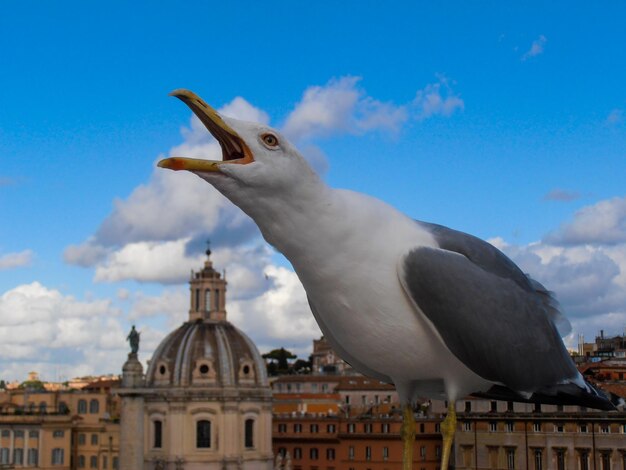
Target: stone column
132, 419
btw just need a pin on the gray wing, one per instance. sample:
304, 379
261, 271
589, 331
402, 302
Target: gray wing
488, 312
343, 353
491, 259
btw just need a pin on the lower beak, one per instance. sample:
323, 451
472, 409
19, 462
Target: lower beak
234, 149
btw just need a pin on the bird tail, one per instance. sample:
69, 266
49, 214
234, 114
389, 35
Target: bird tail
561, 394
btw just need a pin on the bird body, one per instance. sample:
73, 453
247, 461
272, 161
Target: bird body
346, 248
437, 312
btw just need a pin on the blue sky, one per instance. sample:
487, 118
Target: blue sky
505, 121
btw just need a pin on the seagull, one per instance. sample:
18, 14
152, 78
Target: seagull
437, 312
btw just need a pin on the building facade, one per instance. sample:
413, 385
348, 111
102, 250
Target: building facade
205, 401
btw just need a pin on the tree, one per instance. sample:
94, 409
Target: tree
281, 359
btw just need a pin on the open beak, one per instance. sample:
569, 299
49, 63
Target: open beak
234, 149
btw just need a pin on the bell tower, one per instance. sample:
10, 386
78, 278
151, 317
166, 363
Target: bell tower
207, 293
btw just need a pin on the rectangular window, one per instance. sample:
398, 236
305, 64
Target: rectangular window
467, 426
58, 433
438, 427
93, 462
33, 434
203, 434
4, 455
367, 427
494, 406
94, 439
538, 459
423, 453
330, 454
18, 433
351, 453
605, 429
297, 428
57, 456
351, 427
33, 457
330, 428
559, 427
584, 460
509, 406
105, 462
510, 459
385, 453
605, 460
493, 426
314, 453
297, 453
314, 428
560, 459
18, 456
438, 451
384, 427
158, 434
510, 426
282, 427
537, 427
82, 439
468, 406
368, 453
249, 433
583, 428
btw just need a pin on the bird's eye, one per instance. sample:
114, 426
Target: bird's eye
270, 140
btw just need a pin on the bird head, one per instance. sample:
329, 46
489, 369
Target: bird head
255, 157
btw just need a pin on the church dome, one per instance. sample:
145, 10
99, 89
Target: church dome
207, 350
206, 353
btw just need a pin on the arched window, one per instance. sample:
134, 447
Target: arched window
207, 300
203, 434
217, 299
94, 406
158, 434
81, 461
63, 408
249, 434
93, 461
82, 407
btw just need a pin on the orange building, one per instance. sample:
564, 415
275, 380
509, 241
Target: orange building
357, 442
61, 429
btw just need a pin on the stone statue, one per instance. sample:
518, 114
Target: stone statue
133, 339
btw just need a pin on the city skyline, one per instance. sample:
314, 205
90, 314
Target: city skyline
503, 121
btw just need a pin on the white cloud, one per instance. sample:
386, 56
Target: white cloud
43, 329
279, 316
602, 223
16, 260
536, 47
165, 262
341, 106
437, 99
584, 263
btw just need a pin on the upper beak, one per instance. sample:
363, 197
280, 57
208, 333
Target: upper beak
234, 149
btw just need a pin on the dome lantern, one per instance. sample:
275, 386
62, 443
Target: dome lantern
207, 293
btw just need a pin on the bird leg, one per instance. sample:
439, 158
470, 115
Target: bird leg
448, 428
408, 436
